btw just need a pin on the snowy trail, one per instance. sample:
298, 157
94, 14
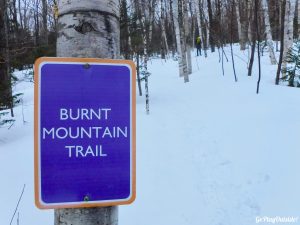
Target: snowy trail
195, 182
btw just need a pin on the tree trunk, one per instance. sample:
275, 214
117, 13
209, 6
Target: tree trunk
211, 26
244, 23
251, 32
256, 11
20, 14
269, 33
87, 216
205, 41
88, 29
251, 36
125, 42
44, 36
36, 23
174, 46
283, 6
165, 47
288, 32
237, 9
180, 39
151, 19
188, 40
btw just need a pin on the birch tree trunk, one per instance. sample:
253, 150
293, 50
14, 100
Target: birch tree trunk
145, 56
288, 32
282, 18
188, 38
269, 33
211, 26
180, 40
88, 29
205, 33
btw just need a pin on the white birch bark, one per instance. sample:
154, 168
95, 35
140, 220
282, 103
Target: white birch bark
188, 40
180, 42
145, 61
269, 33
88, 29
288, 31
177, 35
205, 16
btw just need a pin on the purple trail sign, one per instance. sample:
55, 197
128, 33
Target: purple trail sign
84, 132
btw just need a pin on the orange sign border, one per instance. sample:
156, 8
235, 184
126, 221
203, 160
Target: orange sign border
37, 64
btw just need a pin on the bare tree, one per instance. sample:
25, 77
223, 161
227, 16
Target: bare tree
269, 33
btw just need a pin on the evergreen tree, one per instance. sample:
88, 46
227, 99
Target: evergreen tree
292, 71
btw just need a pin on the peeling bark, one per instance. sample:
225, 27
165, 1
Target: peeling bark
88, 33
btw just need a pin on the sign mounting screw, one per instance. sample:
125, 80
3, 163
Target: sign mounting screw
86, 198
86, 66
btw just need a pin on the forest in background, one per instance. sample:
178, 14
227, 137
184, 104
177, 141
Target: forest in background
164, 28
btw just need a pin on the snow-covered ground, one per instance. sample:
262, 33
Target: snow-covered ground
211, 152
